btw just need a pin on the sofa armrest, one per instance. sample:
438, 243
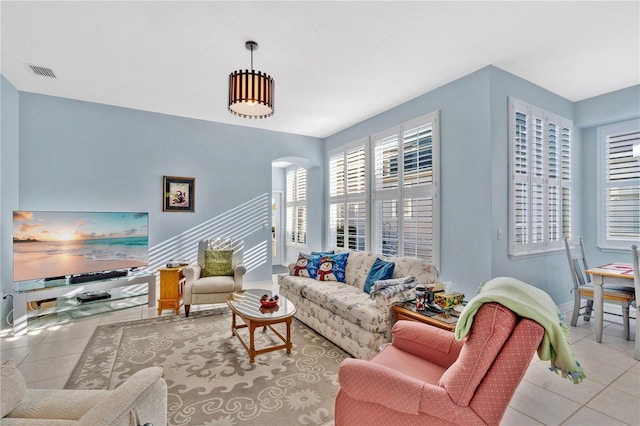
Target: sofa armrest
142, 398
427, 342
192, 273
359, 379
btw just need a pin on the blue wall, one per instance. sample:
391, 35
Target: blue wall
76, 155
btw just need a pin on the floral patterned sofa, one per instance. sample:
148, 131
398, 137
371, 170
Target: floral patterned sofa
343, 312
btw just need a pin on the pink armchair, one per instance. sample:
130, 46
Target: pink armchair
425, 376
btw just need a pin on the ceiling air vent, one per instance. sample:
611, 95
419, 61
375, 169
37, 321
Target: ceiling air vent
43, 71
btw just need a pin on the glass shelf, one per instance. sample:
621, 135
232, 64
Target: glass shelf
40, 303
64, 304
23, 286
68, 309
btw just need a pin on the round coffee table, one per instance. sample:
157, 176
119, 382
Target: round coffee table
247, 306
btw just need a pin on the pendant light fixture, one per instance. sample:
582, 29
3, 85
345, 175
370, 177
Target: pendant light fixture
251, 92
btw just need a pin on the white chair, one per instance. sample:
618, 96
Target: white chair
141, 399
583, 288
200, 290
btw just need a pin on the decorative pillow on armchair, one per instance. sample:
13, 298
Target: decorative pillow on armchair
331, 267
217, 263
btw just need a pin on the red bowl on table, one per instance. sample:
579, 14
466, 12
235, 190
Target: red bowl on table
268, 303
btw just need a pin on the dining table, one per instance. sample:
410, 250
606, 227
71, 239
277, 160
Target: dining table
612, 274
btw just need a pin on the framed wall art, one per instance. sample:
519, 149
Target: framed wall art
179, 194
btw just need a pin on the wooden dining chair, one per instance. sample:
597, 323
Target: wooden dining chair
583, 288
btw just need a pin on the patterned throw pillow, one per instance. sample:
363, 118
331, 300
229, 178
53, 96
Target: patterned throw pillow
217, 263
331, 267
380, 270
307, 264
304, 266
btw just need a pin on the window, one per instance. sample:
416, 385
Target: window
397, 210
405, 190
296, 206
348, 197
618, 189
540, 189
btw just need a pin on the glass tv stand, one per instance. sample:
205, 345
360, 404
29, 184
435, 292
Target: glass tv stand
135, 289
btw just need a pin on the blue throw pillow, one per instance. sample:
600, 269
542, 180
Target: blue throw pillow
332, 267
380, 270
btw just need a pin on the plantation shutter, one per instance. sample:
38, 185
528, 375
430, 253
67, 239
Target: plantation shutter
296, 200
536, 181
388, 193
387, 227
356, 225
386, 163
405, 190
520, 191
540, 190
290, 201
565, 170
336, 175
336, 224
348, 197
622, 188
418, 156
356, 171
418, 227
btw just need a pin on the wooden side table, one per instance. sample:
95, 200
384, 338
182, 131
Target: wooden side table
171, 283
403, 313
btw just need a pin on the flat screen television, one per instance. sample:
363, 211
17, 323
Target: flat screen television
51, 244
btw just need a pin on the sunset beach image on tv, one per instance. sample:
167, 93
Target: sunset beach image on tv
50, 244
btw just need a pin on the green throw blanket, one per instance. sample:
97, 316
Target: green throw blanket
529, 302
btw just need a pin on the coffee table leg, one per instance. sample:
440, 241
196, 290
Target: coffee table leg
252, 346
233, 323
288, 335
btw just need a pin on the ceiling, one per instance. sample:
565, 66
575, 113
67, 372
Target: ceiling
335, 63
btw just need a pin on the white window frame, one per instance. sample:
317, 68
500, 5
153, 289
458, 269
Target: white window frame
368, 197
350, 198
296, 199
625, 135
402, 197
540, 173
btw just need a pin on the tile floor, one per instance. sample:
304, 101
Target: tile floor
610, 395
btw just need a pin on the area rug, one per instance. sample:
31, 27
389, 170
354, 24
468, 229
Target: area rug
210, 380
